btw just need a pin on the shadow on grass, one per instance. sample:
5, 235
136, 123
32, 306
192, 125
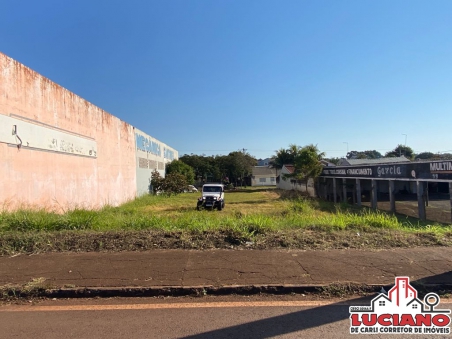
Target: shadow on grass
314, 317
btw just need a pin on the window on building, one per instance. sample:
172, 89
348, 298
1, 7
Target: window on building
272, 179
414, 306
262, 179
381, 303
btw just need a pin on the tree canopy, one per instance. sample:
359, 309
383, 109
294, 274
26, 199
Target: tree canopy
285, 156
233, 167
433, 156
238, 165
202, 165
178, 166
427, 156
173, 183
370, 154
306, 162
401, 150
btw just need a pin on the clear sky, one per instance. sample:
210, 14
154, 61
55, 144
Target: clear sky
214, 76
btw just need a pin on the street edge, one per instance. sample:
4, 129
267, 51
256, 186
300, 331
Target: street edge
328, 290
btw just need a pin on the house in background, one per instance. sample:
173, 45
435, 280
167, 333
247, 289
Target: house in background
264, 162
285, 183
327, 163
263, 176
293, 184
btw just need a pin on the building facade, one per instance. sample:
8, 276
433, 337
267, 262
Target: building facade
263, 176
59, 151
290, 184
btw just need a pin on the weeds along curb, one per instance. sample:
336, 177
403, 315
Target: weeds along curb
332, 290
13, 243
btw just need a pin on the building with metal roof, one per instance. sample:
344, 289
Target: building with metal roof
359, 162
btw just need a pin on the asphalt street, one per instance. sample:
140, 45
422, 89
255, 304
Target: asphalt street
143, 318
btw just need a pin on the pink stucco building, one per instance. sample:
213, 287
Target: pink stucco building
59, 151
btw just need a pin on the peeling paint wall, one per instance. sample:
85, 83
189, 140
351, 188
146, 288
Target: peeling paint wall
36, 175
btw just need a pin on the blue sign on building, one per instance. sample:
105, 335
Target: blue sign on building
146, 145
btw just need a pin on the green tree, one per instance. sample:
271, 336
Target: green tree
201, 165
205, 167
156, 182
237, 166
401, 150
445, 156
373, 154
433, 156
294, 150
221, 168
370, 154
307, 163
283, 157
427, 156
174, 183
178, 166
218, 168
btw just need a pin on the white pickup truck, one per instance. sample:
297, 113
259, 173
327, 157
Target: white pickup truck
212, 197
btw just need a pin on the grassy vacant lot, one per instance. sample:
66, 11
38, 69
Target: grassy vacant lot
253, 218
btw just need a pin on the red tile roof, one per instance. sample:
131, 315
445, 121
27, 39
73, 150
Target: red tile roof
290, 168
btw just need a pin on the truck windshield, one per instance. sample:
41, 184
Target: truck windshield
213, 189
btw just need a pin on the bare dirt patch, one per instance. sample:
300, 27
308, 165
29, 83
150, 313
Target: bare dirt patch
12, 243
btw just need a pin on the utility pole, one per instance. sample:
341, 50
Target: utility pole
404, 151
345, 142
243, 173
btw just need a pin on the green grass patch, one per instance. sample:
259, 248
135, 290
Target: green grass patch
253, 211
249, 215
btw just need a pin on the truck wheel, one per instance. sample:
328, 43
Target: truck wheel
220, 206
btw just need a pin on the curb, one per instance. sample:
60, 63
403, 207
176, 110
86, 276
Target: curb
330, 290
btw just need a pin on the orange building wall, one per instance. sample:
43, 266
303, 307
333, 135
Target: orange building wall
54, 180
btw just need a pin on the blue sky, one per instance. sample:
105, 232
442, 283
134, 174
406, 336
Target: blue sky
214, 76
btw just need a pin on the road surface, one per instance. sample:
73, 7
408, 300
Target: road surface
198, 318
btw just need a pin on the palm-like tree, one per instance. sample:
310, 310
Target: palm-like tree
307, 163
283, 157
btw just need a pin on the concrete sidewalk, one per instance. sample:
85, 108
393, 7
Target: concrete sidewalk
187, 268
